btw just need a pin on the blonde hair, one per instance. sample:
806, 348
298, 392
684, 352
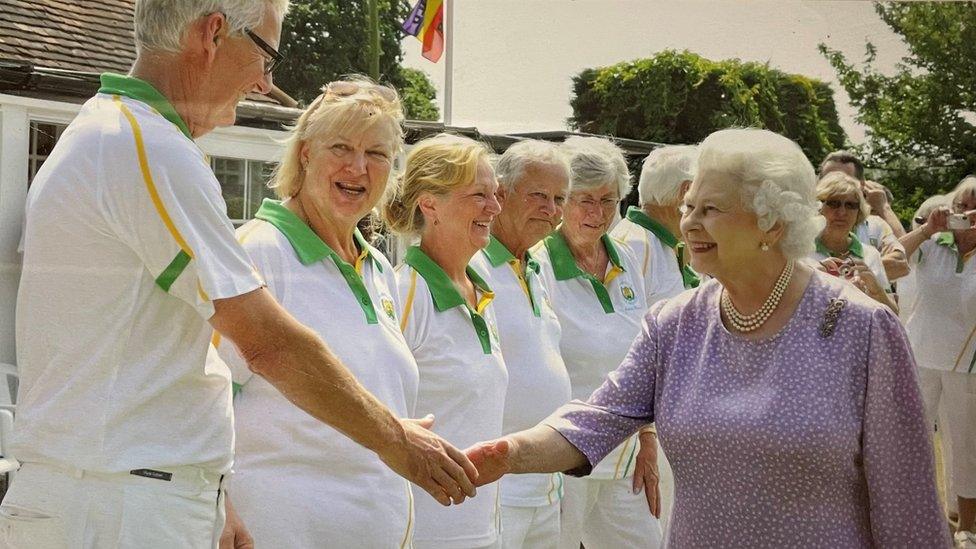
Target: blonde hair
839, 183
965, 187
332, 113
436, 165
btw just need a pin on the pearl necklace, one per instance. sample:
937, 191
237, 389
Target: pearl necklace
748, 323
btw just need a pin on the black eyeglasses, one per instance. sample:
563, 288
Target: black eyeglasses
836, 204
274, 57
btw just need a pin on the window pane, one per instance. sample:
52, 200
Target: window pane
47, 136
230, 174
259, 174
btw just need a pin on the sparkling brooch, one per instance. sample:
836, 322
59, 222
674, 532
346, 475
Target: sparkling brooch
831, 315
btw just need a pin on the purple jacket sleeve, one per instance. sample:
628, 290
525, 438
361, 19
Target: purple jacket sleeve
621, 406
898, 462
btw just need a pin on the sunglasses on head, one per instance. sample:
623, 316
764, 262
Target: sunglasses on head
347, 88
834, 204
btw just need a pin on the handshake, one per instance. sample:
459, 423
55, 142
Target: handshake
446, 473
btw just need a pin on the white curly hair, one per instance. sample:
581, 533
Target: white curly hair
775, 181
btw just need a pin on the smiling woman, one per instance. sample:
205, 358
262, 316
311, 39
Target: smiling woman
335, 170
448, 200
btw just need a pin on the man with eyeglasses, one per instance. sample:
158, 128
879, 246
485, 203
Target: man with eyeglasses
124, 424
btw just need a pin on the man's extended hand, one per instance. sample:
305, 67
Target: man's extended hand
492, 458
646, 473
430, 462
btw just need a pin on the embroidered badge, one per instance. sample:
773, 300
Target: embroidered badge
628, 293
388, 307
831, 315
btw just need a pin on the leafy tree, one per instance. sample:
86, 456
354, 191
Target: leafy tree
323, 40
918, 140
681, 97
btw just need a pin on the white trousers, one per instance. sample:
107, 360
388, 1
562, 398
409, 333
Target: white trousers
54, 508
606, 514
956, 393
530, 527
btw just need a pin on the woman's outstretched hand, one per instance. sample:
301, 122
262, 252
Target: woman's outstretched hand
493, 459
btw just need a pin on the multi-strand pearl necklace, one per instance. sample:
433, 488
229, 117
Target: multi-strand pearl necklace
748, 323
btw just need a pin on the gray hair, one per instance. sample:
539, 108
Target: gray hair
665, 169
512, 164
595, 162
160, 24
965, 187
930, 203
774, 179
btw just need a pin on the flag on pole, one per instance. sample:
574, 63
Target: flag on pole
426, 22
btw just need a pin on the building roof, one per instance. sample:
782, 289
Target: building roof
77, 35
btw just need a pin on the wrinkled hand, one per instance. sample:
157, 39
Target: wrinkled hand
431, 463
876, 196
832, 265
937, 222
492, 458
235, 535
865, 280
646, 473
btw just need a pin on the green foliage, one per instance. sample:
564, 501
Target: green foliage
324, 40
919, 142
418, 95
681, 97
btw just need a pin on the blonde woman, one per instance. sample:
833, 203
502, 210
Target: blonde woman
448, 200
838, 247
298, 482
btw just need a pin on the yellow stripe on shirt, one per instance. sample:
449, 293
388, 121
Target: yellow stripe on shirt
620, 459
408, 305
963, 349
408, 535
148, 180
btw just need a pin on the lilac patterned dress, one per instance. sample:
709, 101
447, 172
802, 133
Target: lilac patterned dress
797, 440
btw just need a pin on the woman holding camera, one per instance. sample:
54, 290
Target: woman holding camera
838, 247
942, 330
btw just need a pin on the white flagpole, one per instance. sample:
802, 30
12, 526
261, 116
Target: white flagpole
449, 59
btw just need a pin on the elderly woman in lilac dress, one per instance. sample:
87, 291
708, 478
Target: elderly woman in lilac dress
786, 400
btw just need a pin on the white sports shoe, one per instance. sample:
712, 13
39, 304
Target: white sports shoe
965, 540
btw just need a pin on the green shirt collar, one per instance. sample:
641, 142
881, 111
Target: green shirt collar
947, 239
445, 294
564, 264
497, 254
140, 90
309, 247
637, 215
854, 246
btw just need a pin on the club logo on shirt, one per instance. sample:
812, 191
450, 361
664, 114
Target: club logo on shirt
628, 293
388, 307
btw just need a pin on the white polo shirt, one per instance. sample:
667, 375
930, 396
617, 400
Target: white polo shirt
660, 254
868, 254
126, 244
537, 379
361, 502
942, 325
463, 381
599, 321
875, 232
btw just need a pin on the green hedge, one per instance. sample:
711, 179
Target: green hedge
681, 97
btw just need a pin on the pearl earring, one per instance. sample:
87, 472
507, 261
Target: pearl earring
764, 247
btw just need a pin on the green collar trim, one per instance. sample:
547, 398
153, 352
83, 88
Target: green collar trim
854, 247
948, 239
637, 215
498, 254
564, 265
311, 249
446, 295
140, 90
689, 277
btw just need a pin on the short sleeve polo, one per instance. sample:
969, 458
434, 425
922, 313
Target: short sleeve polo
856, 249
660, 254
537, 379
126, 245
942, 324
463, 380
599, 321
